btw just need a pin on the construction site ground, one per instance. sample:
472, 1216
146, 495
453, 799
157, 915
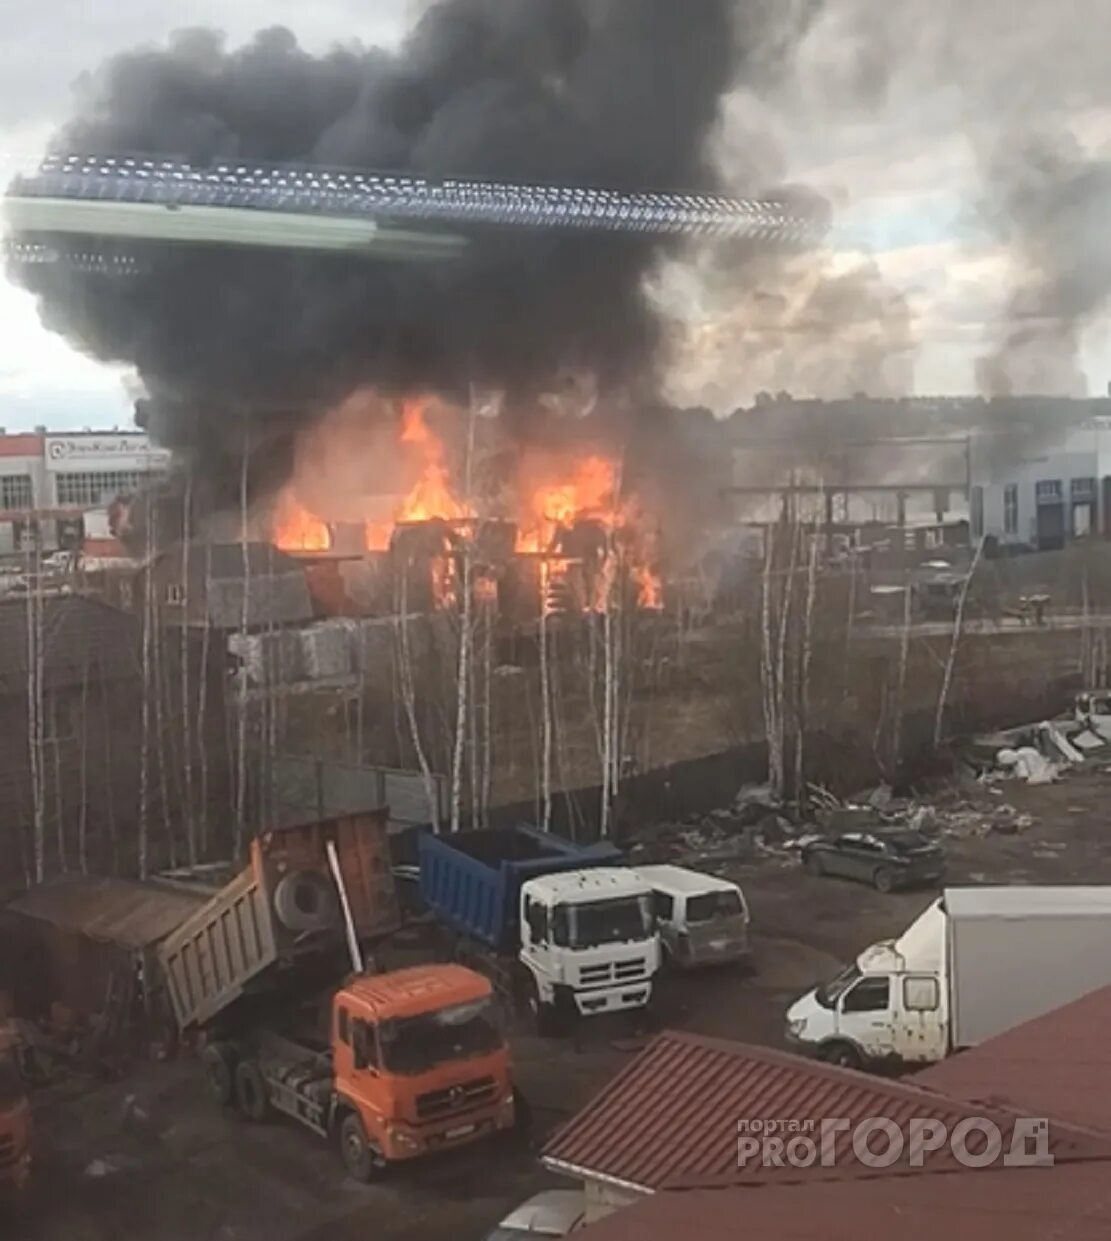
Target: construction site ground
150, 1158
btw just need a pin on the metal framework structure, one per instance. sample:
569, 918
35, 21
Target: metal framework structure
403, 198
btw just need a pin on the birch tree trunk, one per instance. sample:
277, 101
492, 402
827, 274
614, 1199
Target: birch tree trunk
545, 708
244, 619
958, 622
463, 668
35, 667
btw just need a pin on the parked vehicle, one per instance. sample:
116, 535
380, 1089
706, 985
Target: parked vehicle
391, 1066
887, 860
702, 920
580, 930
977, 962
1093, 709
15, 1120
550, 1213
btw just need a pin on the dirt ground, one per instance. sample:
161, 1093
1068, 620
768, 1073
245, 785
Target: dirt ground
149, 1159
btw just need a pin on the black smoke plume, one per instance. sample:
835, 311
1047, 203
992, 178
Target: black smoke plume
238, 347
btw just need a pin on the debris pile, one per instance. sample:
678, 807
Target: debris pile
1035, 753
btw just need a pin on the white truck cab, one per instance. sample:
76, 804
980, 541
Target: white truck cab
589, 942
703, 920
889, 1006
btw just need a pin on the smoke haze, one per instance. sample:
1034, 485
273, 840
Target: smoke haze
620, 93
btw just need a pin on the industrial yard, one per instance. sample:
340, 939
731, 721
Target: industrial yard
150, 1153
555, 598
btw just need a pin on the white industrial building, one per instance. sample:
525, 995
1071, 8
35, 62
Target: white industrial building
1042, 495
54, 486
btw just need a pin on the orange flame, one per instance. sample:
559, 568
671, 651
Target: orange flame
431, 496
589, 492
298, 530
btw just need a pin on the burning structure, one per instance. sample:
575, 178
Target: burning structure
531, 531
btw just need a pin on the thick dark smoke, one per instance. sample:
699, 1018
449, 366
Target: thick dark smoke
1049, 203
231, 344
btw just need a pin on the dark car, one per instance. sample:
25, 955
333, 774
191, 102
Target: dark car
887, 860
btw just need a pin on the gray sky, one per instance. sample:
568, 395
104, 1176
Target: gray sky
889, 113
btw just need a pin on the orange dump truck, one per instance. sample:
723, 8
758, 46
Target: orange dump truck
390, 1066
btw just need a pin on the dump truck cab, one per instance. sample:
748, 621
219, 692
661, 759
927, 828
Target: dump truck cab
15, 1120
420, 1064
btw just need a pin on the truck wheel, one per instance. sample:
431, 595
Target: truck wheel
219, 1070
814, 863
250, 1091
845, 1055
306, 901
361, 1158
883, 879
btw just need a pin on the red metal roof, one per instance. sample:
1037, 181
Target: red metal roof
1056, 1065
29, 445
669, 1119
1070, 1203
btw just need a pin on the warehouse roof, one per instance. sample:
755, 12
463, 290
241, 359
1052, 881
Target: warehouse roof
673, 1117
114, 911
1055, 1065
1006, 1204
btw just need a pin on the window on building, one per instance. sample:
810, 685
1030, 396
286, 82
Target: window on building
92, 490
977, 512
15, 491
1082, 488
1010, 508
1047, 490
175, 594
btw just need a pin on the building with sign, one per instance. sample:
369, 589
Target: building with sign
50, 482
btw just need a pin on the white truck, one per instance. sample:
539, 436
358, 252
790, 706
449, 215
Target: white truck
976, 962
574, 925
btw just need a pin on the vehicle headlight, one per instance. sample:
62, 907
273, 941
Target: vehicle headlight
796, 1028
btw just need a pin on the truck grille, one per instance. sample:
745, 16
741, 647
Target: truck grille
621, 971
460, 1098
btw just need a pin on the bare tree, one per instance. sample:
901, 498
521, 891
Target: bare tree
545, 706
803, 698
958, 621
244, 624
463, 667
409, 697
35, 671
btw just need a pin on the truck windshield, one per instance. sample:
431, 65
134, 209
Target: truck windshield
603, 922
713, 906
415, 1044
830, 992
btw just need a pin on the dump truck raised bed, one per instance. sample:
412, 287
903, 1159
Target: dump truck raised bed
975, 963
391, 1066
578, 925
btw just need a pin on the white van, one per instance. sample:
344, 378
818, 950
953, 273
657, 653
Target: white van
702, 920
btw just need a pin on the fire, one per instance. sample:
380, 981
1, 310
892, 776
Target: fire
650, 590
588, 493
298, 530
431, 496
597, 546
